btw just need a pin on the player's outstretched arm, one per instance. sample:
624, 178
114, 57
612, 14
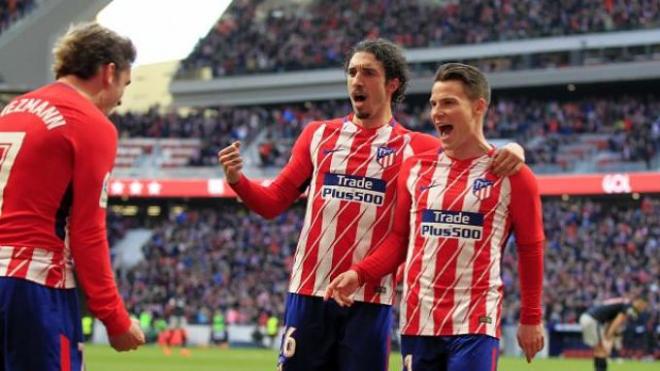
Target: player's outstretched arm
129, 340
267, 201
342, 288
508, 159
271, 200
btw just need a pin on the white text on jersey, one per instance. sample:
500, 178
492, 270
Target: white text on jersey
48, 113
353, 188
452, 224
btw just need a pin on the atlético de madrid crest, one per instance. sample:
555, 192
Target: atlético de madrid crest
482, 188
385, 156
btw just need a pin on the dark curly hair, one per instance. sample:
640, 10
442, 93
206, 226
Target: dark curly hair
394, 63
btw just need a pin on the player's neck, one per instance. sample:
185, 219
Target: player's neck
85, 88
375, 121
473, 148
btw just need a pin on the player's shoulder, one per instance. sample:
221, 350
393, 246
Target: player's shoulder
76, 108
423, 142
49, 97
58, 102
60, 95
399, 129
426, 158
524, 173
314, 125
523, 178
333, 122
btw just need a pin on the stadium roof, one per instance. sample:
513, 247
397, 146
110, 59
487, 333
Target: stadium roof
163, 30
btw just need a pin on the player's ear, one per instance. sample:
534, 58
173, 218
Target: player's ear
480, 106
393, 85
109, 73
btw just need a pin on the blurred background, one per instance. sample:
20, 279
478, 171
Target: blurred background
576, 82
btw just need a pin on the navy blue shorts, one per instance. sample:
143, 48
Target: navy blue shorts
40, 327
449, 353
322, 336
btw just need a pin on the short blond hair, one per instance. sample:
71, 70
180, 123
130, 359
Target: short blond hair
88, 46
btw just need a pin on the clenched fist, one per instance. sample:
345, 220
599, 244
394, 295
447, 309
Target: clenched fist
231, 161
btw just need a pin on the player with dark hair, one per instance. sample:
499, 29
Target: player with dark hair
57, 148
602, 323
454, 216
349, 166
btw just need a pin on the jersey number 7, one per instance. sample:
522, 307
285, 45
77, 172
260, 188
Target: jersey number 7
10, 144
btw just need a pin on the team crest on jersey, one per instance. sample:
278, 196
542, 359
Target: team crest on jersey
385, 156
482, 188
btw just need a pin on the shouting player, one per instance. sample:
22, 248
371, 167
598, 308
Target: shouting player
57, 149
453, 217
349, 166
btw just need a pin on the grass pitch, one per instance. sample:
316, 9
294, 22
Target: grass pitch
150, 358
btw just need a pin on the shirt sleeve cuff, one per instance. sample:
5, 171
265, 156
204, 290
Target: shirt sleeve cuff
240, 183
360, 273
118, 324
530, 317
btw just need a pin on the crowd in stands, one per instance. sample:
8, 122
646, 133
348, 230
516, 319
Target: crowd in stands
637, 134
117, 226
632, 125
595, 249
253, 36
231, 260
13, 10
629, 124
548, 60
225, 259
217, 127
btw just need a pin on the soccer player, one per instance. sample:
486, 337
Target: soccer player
349, 166
602, 323
57, 148
453, 219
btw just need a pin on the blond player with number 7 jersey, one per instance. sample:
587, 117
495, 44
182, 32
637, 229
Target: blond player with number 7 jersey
57, 148
349, 166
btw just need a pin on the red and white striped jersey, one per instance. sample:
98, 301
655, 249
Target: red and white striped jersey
56, 153
455, 217
352, 174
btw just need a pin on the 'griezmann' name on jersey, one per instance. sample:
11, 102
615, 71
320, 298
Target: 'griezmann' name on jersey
49, 114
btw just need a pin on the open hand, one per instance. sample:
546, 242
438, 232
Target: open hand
508, 160
342, 288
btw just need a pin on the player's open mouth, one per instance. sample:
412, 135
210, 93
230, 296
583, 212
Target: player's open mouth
445, 129
359, 97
